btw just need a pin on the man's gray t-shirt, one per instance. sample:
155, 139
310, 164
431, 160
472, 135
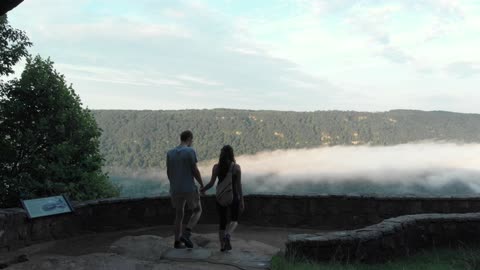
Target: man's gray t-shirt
180, 163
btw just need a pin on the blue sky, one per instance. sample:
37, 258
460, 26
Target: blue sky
283, 55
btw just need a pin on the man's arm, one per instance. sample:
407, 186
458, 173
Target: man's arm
196, 171
212, 180
168, 168
196, 174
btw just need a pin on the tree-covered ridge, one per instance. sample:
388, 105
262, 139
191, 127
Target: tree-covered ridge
140, 139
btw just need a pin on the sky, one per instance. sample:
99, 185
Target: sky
295, 55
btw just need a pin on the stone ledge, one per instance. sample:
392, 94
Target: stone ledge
391, 238
325, 212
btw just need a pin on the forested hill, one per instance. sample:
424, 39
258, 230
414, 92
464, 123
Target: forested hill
140, 139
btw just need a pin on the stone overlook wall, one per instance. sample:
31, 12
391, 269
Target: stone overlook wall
389, 239
321, 212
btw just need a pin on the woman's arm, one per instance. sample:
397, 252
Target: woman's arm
212, 179
239, 188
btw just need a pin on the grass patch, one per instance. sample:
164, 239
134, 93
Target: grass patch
440, 259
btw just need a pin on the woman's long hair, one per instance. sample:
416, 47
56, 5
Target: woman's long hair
225, 161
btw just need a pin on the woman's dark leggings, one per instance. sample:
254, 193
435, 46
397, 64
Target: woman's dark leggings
222, 213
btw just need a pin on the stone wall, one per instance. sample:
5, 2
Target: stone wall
345, 212
389, 239
321, 212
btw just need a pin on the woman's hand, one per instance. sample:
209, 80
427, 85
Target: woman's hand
212, 180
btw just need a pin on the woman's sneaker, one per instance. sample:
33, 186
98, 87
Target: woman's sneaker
228, 245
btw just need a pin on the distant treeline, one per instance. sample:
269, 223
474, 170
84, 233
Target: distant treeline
140, 139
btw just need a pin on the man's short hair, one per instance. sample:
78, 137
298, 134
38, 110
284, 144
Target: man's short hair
187, 134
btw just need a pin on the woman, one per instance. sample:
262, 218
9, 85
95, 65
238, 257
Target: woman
226, 165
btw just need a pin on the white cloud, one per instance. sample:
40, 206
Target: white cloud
395, 55
464, 69
198, 80
448, 8
174, 13
242, 50
115, 76
292, 55
111, 28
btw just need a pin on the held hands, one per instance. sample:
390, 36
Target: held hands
203, 190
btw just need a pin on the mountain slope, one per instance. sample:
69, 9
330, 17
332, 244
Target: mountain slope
140, 139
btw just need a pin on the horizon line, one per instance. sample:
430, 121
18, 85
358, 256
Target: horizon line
272, 110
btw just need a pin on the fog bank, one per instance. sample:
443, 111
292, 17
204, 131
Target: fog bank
416, 169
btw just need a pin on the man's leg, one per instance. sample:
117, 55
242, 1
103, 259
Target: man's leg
194, 203
179, 213
196, 214
231, 227
178, 203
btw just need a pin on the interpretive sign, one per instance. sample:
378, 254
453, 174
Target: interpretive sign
47, 206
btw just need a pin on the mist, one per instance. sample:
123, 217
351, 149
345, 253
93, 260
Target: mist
417, 169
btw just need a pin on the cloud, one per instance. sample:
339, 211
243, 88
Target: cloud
248, 51
288, 55
198, 80
117, 76
452, 9
375, 22
174, 13
120, 29
464, 69
198, 48
396, 55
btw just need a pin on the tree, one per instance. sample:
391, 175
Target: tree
13, 46
50, 144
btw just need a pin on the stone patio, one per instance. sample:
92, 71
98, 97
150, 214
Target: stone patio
151, 248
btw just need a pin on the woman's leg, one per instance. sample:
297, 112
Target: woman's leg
234, 210
222, 214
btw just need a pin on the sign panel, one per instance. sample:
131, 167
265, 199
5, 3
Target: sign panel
47, 206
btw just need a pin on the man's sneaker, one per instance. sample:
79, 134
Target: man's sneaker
185, 238
228, 245
178, 245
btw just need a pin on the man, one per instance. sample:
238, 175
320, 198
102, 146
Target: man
181, 170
